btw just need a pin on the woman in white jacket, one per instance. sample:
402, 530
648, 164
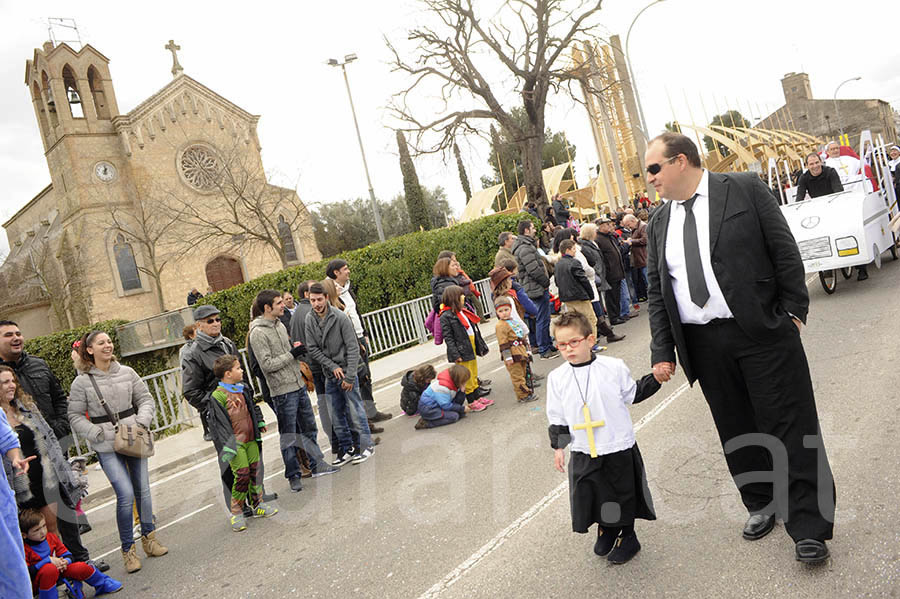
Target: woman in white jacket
129, 399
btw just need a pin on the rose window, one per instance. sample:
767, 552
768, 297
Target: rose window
200, 167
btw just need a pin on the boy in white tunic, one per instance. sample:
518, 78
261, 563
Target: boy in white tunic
587, 405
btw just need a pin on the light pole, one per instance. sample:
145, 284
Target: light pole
336, 63
837, 112
642, 125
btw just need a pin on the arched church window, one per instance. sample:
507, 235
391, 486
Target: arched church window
200, 167
287, 240
41, 109
49, 100
73, 98
97, 93
126, 265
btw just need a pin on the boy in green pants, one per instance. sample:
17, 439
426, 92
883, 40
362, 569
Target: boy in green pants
236, 425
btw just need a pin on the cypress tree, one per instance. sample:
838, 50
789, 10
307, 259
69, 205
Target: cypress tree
415, 199
463, 178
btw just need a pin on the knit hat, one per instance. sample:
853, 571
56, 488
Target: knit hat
498, 275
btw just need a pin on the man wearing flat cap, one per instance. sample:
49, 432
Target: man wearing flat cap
198, 380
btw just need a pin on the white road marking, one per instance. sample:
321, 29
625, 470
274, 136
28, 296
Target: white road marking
542, 504
176, 521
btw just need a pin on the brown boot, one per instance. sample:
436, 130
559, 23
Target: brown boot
132, 563
303, 458
152, 547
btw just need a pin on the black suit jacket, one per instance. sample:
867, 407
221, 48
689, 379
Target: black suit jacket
754, 257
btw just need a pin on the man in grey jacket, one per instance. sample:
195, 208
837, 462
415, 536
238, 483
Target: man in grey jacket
534, 278
331, 341
278, 360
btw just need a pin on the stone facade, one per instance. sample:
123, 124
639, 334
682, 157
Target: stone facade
801, 112
123, 187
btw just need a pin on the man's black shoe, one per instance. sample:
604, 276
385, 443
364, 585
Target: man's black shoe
624, 549
207, 437
296, 484
84, 528
811, 551
862, 273
614, 338
615, 321
379, 416
758, 526
100, 564
374, 429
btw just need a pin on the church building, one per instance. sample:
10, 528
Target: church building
142, 206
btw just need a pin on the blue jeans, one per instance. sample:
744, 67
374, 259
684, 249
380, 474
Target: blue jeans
639, 276
347, 413
542, 334
130, 480
296, 427
624, 299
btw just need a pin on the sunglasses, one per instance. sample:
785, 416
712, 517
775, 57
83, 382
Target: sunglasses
212, 320
654, 169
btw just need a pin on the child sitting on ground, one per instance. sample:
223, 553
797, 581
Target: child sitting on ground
464, 342
442, 402
412, 385
512, 338
587, 405
48, 560
236, 425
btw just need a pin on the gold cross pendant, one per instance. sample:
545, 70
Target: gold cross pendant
589, 426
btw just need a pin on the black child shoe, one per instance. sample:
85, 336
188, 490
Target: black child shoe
624, 549
605, 540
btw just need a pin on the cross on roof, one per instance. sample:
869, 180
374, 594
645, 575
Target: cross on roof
176, 67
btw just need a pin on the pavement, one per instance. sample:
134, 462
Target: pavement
476, 509
187, 447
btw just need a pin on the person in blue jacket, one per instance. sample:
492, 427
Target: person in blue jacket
443, 400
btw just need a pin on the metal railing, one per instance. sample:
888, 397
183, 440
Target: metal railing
389, 329
155, 332
404, 324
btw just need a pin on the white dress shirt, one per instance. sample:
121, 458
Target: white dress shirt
716, 306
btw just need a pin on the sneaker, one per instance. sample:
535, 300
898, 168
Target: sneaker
550, 354
484, 382
529, 399
343, 458
324, 469
537, 377
264, 510
481, 392
362, 456
535, 384
296, 484
269, 496
486, 402
477, 406
421, 424
598, 348
381, 416
238, 522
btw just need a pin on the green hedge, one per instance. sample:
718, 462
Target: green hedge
386, 273
56, 349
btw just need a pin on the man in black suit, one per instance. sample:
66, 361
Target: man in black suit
727, 291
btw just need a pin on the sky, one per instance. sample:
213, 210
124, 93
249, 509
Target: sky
691, 60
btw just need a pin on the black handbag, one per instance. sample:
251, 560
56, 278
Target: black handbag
132, 440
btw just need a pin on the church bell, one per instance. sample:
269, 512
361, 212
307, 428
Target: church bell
73, 97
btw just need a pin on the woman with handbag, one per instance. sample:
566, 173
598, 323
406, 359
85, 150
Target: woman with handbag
120, 411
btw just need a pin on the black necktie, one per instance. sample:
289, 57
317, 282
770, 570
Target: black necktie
696, 280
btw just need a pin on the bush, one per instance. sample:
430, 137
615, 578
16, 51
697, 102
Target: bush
56, 349
383, 274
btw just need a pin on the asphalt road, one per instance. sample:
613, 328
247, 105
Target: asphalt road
477, 510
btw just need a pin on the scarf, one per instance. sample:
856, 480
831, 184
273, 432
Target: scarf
217, 340
232, 387
462, 315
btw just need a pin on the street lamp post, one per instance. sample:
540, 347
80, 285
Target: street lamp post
837, 112
642, 124
336, 63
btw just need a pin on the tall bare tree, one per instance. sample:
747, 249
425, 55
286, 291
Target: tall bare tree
477, 61
246, 210
33, 274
